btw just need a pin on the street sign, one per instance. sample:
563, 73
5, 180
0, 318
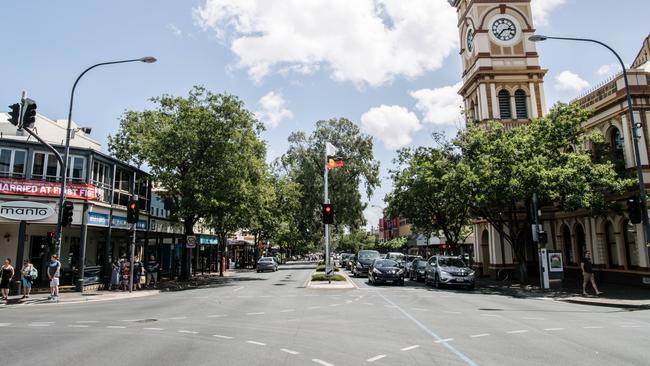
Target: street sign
329, 271
191, 242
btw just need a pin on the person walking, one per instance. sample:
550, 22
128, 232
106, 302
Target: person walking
137, 272
152, 267
115, 274
6, 274
588, 274
126, 275
29, 274
53, 273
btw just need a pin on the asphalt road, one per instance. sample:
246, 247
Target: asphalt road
272, 319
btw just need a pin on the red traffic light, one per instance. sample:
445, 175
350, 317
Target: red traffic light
328, 209
132, 205
328, 213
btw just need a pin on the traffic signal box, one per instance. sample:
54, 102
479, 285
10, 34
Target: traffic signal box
132, 214
66, 216
328, 213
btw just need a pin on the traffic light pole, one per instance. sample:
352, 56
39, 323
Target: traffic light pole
328, 264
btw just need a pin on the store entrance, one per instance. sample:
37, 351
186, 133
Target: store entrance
39, 254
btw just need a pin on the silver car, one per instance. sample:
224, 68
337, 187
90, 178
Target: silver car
448, 270
267, 264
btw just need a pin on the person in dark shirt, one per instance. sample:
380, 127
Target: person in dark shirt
588, 274
152, 267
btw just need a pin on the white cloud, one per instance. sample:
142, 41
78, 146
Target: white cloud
542, 8
363, 41
440, 106
607, 69
373, 214
174, 29
568, 81
393, 125
273, 110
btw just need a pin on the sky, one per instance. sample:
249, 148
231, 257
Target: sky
391, 66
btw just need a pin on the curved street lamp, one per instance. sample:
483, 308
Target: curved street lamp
637, 157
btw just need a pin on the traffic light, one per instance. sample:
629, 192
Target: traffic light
66, 216
29, 114
328, 213
132, 212
634, 210
14, 114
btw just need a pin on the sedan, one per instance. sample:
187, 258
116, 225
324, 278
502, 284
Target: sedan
385, 271
417, 269
267, 264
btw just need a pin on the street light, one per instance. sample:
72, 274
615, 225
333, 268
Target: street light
64, 175
637, 157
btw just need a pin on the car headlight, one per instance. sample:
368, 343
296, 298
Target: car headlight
471, 273
359, 265
420, 270
376, 271
401, 271
445, 274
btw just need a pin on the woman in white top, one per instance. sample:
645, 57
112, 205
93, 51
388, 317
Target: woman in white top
28, 278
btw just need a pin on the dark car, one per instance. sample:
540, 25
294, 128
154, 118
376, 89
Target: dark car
267, 264
364, 259
446, 270
345, 258
417, 269
385, 271
407, 261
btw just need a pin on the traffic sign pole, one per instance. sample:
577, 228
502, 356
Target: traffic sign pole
328, 264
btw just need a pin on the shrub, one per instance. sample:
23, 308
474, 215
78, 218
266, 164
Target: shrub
323, 277
322, 269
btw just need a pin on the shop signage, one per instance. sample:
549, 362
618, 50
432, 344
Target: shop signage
97, 219
191, 242
40, 188
208, 240
25, 210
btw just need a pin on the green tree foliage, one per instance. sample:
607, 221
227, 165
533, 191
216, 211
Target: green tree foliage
203, 150
501, 168
304, 163
354, 241
393, 245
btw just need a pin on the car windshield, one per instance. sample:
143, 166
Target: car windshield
451, 262
421, 263
266, 260
397, 256
385, 263
368, 255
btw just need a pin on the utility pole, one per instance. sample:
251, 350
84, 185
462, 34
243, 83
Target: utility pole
328, 265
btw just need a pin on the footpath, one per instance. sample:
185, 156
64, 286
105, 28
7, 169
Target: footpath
618, 296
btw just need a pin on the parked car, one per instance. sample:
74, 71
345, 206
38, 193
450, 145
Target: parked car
349, 265
345, 257
364, 259
417, 269
407, 261
447, 270
266, 264
385, 271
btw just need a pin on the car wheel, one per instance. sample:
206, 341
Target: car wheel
471, 287
436, 281
426, 279
401, 283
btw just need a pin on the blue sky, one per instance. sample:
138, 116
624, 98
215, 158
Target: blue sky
379, 63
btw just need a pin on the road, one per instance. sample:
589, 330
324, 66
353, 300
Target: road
272, 319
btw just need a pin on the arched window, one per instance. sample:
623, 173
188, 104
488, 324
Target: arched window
581, 242
504, 104
612, 250
568, 246
631, 250
520, 104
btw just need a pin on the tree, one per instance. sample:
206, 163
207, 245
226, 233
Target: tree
203, 150
304, 163
501, 168
425, 192
354, 241
392, 245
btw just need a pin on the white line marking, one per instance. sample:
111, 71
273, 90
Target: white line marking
592, 327
221, 336
479, 335
188, 332
373, 359
324, 363
289, 351
630, 326
368, 303
116, 327
38, 325
87, 321
238, 288
257, 343
131, 320
314, 307
260, 313
491, 315
5, 324
335, 305
517, 331
217, 316
265, 296
153, 328
531, 318
444, 340
410, 347
452, 312
177, 318
552, 329
287, 310
77, 326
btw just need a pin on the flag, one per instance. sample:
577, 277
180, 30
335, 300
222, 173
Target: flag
334, 163
330, 149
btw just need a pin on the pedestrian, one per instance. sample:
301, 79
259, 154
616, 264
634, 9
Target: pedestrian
152, 267
7, 273
115, 274
126, 275
588, 274
29, 274
53, 273
137, 272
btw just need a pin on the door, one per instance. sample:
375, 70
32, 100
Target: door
39, 254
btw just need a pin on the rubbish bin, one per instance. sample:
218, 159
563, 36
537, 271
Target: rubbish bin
16, 287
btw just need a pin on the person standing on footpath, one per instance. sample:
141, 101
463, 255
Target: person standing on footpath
53, 273
152, 267
115, 274
7, 273
29, 274
588, 274
137, 272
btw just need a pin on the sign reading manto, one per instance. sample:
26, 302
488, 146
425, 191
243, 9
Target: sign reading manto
48, 189
25, 210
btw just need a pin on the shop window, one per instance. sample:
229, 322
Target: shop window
102, 178
504, 104
12, 163
45, 166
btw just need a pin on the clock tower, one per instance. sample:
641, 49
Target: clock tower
502, 79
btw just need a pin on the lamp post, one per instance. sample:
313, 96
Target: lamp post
637, 157
64, 174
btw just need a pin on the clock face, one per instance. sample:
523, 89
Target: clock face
504, 29
470, 40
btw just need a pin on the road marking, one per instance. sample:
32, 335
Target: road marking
39, 324
479, 335
289, 351
244, 296
287, 310
553, 329
410, 347
368, 303
260, 313
131, 320
444, 340
324, 363
217, 316
87, 321
177, 318
592, 327
373, 359
314, 307
257, 343
77, 326
491, 315
335, 304
531, 318
630, 326
452, 312
116, 327
265, 296
153, 328
517, 331
431, 333
238, 289
188, 332
221, 336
